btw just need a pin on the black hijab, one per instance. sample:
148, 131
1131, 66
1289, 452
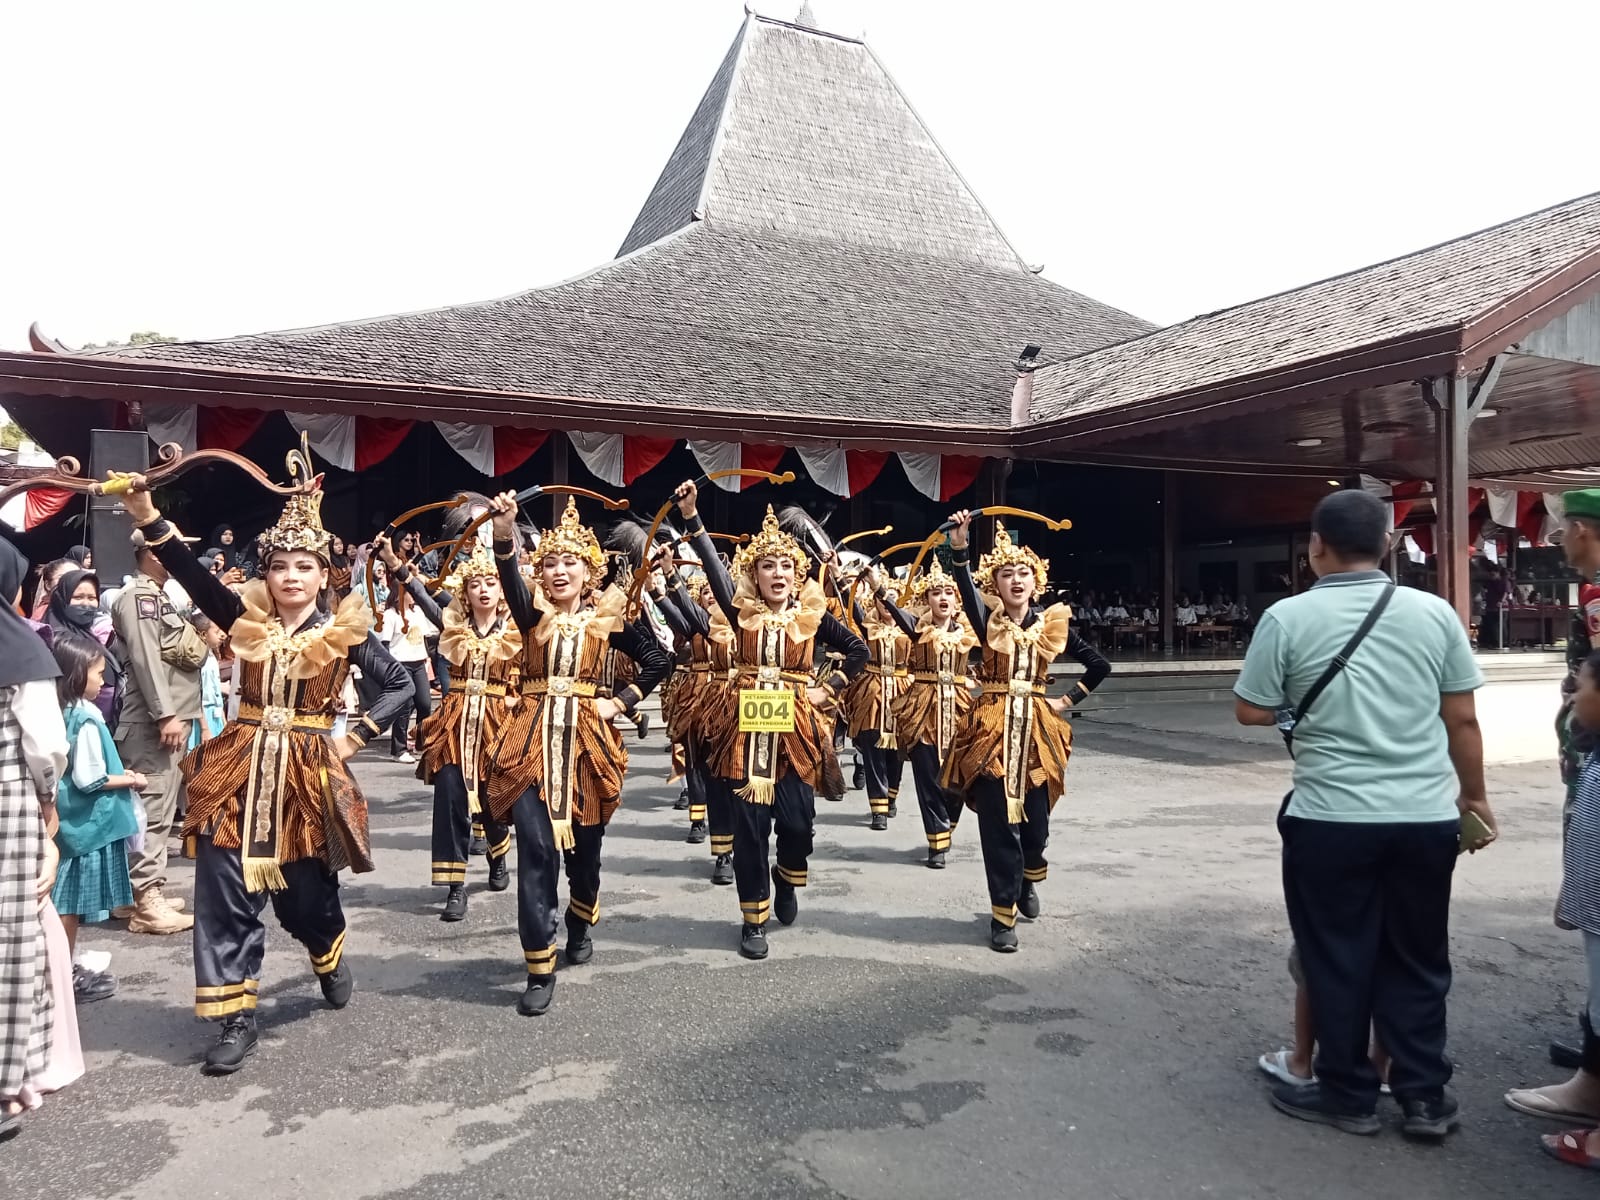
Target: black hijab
79, 554
23, 655
62, 614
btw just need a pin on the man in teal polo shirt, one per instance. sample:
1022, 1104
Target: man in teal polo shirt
1387, 758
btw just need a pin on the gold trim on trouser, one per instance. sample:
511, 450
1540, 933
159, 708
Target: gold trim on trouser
939, 841
449, 872
894, 793
1006, 916
1035, 874
477, 829
697, 813
589, 913
721, 843
880, 804
327, 964
541, 962
755, 912
212, 1002
501, 848
791, 877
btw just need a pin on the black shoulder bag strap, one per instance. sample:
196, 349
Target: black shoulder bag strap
1340, 661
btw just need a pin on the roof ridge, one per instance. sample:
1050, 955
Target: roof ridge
751, 15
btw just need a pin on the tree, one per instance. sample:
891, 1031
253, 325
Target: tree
12, 435
143, 337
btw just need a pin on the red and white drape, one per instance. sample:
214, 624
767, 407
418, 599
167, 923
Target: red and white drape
940, 476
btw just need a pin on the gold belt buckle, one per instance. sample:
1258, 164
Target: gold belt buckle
770, 674
275, 716
947, 677
560, 685
1021, 687
476, 687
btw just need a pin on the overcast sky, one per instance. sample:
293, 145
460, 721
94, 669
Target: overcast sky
215, 168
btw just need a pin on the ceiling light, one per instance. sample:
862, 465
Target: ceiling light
1488, 412
1305, 443
1333, 483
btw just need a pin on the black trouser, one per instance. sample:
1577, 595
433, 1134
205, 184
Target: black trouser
694, 782
538, 868
452, 826
940, 809
421, 700
720, 802
1370, 908
229, 938
1489, 630
794, 811
883, 770
441, 666
1012, 854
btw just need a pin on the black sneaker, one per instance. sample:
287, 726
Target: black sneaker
641, 725
697, 832
499, 873
894, 810
880, 821
478, 846
859, 779
785, 904
536, 1000
682, 802
580, 946
89, 986
1431, 1120
455, 903
1028, 902
1002, 938
236, 1043
1308, 1102
753, 941
936, 860
337, 985
722, 870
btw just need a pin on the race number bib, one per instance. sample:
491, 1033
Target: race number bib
766, 712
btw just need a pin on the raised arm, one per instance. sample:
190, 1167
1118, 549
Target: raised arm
401, 574
518, 598
210, 595
906, 622
695, 618
687, 497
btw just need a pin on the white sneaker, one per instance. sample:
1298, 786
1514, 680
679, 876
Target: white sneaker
405, 756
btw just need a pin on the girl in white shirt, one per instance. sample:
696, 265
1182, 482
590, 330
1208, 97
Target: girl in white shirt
405, 631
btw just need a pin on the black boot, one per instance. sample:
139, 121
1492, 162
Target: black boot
455, 903
880, 821
337, 985
894, 809
697, 832
479, 845
499, 873
859, 779
785, 904
236, 1043
534, 1001
1028, 902
641, 725
580, 947
722, 870
936, 860
682, 801
1431, 1120
1002, 937
753, 941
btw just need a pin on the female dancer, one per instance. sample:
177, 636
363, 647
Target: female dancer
482, 648
770, 616
405, 630
869, 701
935, 700
556, 767
273, 809
1010, 750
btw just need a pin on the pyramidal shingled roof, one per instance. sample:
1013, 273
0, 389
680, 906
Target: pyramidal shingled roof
804, 133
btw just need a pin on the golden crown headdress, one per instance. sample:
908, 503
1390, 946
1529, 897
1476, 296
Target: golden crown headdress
477, 564
771, 542
573, 537
934, 577
299, 528
1007, 553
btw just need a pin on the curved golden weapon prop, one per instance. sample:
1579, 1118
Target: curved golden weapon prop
991, 510
877, 560
643, 573
533, 493
171, 463
865, 533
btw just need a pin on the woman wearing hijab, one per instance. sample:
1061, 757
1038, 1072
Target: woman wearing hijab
82, 556
33, 753
74, 611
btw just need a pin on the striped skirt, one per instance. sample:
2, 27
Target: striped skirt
90, 886
26, 1008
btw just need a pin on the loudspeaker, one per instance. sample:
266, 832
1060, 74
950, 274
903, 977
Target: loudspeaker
109, 525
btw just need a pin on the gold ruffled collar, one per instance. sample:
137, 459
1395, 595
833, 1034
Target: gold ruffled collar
1048, 634
258, 635
799, 621
460, 639
960, 638
599, 619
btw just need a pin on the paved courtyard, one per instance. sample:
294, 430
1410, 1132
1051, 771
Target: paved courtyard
883, 1050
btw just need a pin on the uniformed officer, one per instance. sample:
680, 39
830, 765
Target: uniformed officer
162, 656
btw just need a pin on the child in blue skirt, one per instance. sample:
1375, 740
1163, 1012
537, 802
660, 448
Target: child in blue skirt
96, 804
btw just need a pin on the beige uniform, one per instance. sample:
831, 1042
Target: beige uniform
161, 657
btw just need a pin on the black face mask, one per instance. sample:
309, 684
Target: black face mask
82, 615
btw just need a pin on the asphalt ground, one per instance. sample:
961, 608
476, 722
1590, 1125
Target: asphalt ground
881, 1051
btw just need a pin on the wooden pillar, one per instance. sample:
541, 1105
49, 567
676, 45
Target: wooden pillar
1169, 560
1452, 419
560, 449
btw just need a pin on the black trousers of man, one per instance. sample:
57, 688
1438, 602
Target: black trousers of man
229, 939
1012, 854
940, 809
883, 770
694, 782
1370, 908
538, 873
793, 812
453, 826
